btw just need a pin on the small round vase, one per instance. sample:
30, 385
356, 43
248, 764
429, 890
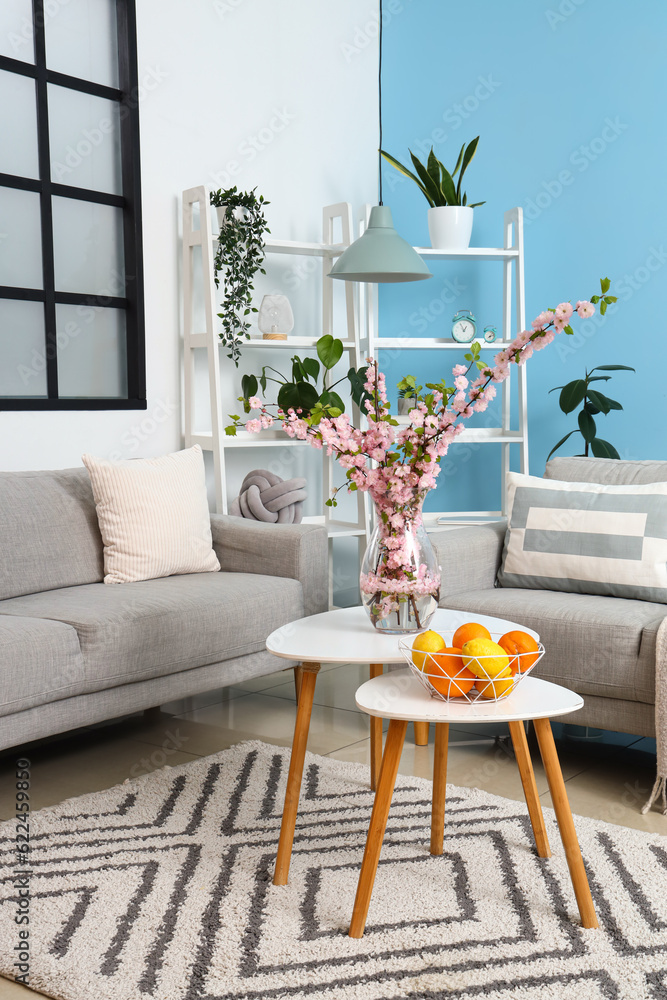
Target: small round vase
400, 576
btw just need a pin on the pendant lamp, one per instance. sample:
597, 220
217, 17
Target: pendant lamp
380, 254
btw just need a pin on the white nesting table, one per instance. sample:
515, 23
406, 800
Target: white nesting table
400, 697
344, 636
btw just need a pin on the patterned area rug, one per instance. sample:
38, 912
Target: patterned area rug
161, 888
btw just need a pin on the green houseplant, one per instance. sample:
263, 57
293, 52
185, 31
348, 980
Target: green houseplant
450, 217
592, 402
239, 255
408, 392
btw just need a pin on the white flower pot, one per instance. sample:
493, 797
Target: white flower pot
221, 214
450, 227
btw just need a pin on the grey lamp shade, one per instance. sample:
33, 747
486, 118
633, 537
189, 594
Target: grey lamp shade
380, 254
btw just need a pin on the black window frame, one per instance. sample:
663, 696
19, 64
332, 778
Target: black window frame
127, 96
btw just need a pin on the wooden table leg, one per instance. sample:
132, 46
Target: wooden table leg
439, 787
525, 764
293, 790
385, 790
298, 677
421, 734
376, 670
563, 812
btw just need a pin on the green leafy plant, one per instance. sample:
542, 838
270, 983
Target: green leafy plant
435, 182
408, 388
593, 402
473, 357
301, 392
604, 299
239, 254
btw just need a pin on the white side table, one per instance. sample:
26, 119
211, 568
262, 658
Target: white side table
400, 697
344, 636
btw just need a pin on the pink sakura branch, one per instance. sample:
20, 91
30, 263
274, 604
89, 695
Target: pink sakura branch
398, 465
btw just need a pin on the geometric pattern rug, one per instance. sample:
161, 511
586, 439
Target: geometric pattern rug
160, 889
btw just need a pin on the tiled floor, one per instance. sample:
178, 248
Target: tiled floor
608, 777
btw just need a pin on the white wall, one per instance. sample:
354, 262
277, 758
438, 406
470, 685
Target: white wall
216, 74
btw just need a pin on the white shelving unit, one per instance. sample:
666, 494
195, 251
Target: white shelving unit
361, 340
355, 347
510, 255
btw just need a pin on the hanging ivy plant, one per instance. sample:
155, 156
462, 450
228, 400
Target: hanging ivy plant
239, 255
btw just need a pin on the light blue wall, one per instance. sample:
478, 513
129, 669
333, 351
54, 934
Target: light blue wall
569, 99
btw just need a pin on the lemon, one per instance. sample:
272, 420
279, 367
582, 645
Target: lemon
499, 687
484, 657
426, 642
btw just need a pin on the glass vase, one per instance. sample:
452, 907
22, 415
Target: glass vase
400, 576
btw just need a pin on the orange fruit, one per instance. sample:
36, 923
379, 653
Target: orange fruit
471, 630
523, 650
498, 687
447, 673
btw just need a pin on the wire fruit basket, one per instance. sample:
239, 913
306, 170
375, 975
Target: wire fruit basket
446, 677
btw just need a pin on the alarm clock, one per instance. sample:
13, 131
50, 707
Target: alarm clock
490, 334
464, 326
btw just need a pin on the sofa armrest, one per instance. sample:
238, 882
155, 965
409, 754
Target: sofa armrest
469, 557
297, 551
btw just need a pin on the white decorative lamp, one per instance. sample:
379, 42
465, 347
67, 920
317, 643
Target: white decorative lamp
275, 318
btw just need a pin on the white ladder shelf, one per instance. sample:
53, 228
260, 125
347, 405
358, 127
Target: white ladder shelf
355, 349
511, 257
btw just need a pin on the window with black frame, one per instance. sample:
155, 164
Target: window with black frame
71, 282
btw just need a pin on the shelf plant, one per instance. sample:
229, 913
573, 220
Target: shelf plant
239, 255
436, 183
450, 217
408, 390
396, 463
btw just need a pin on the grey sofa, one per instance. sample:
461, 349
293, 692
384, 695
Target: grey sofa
602, 647
75, 651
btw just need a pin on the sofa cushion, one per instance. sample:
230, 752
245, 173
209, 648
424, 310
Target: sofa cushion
40, 661
49, 535
601, 646
586, 538
609, 471
154, 627
153, 515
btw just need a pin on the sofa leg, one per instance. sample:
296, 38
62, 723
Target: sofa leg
152, 714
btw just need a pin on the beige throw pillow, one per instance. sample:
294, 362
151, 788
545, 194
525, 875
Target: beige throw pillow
153, 515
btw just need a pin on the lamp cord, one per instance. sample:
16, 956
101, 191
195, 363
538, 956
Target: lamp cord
380, 107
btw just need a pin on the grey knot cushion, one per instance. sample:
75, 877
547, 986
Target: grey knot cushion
266, 497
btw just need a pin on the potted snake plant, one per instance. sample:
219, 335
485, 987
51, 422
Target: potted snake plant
450, 216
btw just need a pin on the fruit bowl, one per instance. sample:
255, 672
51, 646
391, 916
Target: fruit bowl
446, 677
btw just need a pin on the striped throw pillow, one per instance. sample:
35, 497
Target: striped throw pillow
586, 538
153, 516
